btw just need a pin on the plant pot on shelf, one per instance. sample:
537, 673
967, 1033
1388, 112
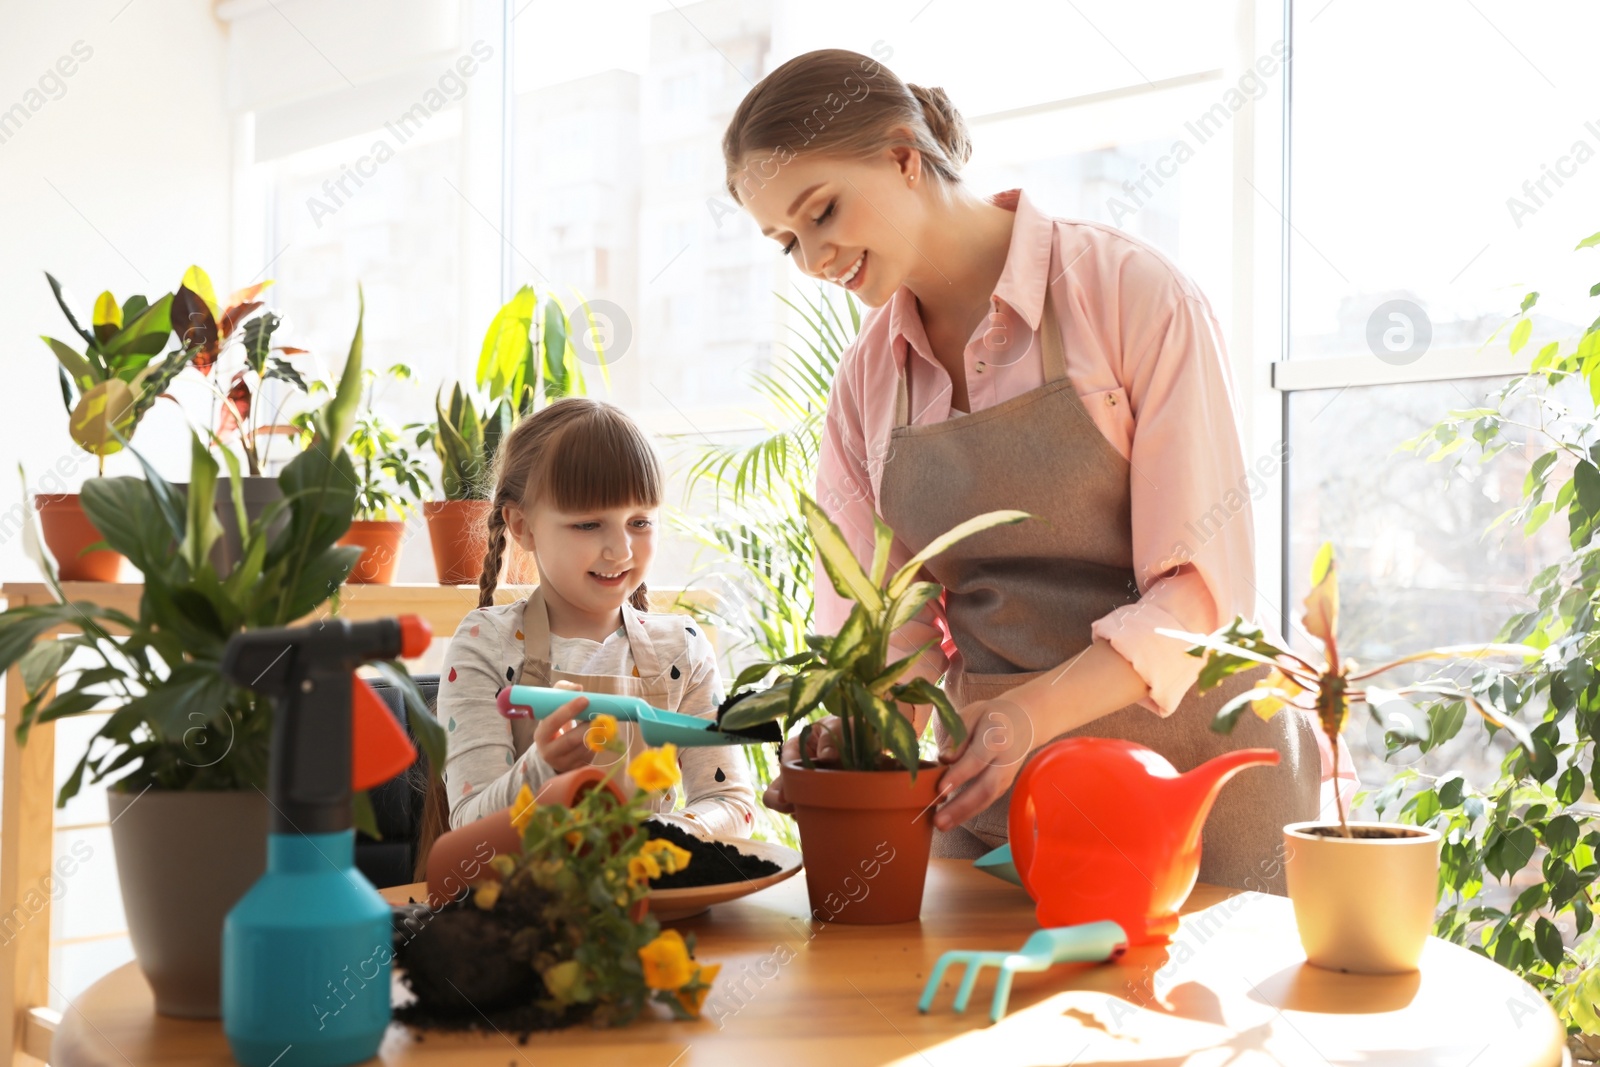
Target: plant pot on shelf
184, 858
1365, 903
67, 532
459, 532
865, 836
379, 541
259, 492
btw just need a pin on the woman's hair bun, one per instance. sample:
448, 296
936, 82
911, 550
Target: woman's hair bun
944, 122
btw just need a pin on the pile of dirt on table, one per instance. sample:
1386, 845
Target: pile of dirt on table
710, 862
459, 963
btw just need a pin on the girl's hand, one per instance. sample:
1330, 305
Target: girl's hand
560, 739
1000, 735
824, 745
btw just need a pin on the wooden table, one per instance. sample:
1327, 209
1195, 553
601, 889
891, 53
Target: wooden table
1232, 988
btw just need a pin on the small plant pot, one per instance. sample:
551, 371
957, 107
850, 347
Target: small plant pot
67, 532
459, 531
1364, 904
461, 857
379, 541
865, 836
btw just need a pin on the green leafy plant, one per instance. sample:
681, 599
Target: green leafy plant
176, 721
110, 386
389, 477
233, 343
1540, 809
525, 352
848, 674
1328, 689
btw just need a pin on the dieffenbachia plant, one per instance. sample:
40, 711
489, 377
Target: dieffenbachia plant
848, 674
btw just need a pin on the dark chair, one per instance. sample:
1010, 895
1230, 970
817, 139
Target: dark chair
397, 803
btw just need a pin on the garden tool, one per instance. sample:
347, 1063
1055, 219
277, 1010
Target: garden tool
306, 952
656, 726
1108, 829
1087, 943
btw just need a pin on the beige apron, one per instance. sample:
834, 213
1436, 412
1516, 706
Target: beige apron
1021, 599
650, 684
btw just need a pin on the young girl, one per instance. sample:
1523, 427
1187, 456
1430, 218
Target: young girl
578, 485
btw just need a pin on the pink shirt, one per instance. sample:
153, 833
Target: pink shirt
1144, 353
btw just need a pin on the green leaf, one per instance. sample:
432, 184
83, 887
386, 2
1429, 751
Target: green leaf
507, 347
808, 689
201, 527
1548, 938
145, 335
883, 537
1529, 300
841, 565
83, 376
61, 302
136, 519
362, 817
41, 663
977, 524
424, 727
340, 413
905, 607
1561, 835
1569, 789
1520, 334
922, 691
763, 707
1588, 242
1451, 791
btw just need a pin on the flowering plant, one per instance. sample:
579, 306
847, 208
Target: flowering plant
576, 894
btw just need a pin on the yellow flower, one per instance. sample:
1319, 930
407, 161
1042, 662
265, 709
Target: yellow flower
601, 732
573, 839
672, 858
522, 808
655, 769
642, 868
666, 961
699, 987
486, 894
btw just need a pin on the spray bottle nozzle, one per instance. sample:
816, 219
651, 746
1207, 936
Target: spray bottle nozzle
331, 732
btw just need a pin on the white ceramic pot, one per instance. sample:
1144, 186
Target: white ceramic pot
1363, 904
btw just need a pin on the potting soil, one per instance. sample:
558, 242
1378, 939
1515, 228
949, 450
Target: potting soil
710, 862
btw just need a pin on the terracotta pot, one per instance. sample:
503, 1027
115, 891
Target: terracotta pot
461, 857
184, 858
459, 531
380, 542
67, 532
1363, 904
865, 836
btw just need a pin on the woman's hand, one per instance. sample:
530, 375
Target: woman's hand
1000, 734
824, 745
560, 739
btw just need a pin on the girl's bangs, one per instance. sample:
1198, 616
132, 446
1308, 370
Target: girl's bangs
600, 461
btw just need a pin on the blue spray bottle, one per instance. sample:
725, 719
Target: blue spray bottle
306, 952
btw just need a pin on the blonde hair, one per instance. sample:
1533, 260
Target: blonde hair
575, 454
841, 103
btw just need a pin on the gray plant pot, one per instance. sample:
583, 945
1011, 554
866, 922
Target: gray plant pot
259, 492
184, 858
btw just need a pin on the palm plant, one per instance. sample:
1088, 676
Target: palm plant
756, 528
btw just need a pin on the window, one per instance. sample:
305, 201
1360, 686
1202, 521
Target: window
1409, 244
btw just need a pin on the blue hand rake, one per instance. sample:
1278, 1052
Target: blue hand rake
1084, 943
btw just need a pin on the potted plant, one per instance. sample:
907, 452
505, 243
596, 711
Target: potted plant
107, 388
549, 926
189, 751
388, 482
858, 815
237, 355
523, 352
1363, 892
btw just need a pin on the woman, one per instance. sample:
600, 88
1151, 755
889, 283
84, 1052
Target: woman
1014, 360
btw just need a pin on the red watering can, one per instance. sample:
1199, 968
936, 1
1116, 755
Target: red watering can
1106, 829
